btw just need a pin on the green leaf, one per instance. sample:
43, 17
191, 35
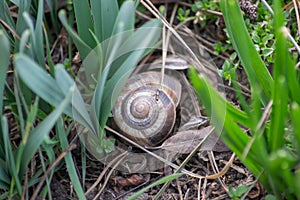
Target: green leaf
104, 15
136, 46
84, 21
21, 25
3, 172
255, 68
280, 93
226, 124
241, 189
69, 160
160, 181
5, 14
125, 19
79, 111
39, 133
4, 63
82, 46
39, 81
37, 35
295, 119
9, 157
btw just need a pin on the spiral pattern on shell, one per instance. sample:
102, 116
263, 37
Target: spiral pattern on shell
145, 111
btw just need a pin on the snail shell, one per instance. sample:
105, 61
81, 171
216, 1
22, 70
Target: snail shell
145, 111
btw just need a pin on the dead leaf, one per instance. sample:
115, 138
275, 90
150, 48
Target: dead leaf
133, 180
185, 141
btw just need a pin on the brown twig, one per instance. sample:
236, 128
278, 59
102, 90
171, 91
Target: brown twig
120, 159
104, 171
12, 31
50, 168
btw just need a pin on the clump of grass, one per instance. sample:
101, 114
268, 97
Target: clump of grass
271, 115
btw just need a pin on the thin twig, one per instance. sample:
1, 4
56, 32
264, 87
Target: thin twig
12, 31
215, 168
104, 171
155, 12
50, 168
195, 150
297, 16
120, 159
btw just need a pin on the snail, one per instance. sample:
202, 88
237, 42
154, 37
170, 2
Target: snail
145, 111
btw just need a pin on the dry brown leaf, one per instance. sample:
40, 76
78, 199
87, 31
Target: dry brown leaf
186, 141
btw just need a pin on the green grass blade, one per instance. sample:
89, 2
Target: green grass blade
3, 172
23, 42
53, 13
48, 55
82, 46
39, 81
252, 62
69, 160
38, 35
84, 21
104, 96
39, 133
10, 159
104, 14
21, 25
295, 119
125, 19
4, 63
80, 113
160, 181
5, 14
233, 136
280, 93
123, 29
4, 187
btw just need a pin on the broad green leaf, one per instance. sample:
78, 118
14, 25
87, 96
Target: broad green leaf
39, 133
254, 66
104, 15
39, 81
69, 160
84, 21
82, 46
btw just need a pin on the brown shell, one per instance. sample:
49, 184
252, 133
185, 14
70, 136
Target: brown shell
145, 111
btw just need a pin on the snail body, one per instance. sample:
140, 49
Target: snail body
145, 111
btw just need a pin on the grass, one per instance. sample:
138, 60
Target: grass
266, 150
48, 102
